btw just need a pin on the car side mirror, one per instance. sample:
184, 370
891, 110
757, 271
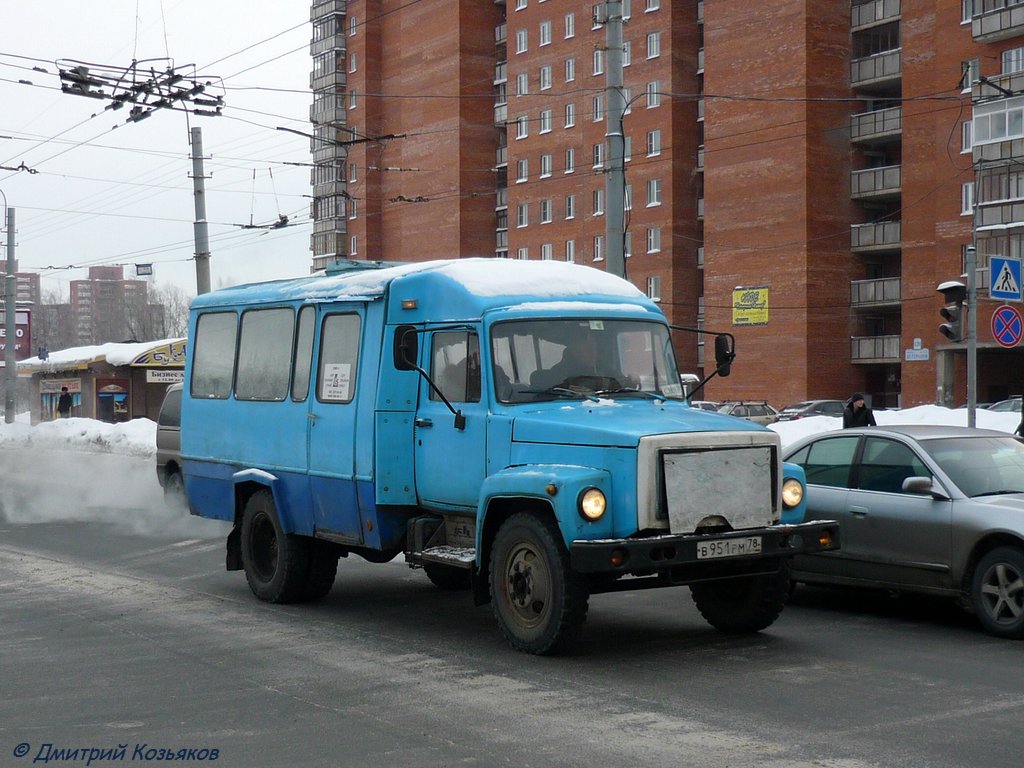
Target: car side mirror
406, 348
923, 486
725, 353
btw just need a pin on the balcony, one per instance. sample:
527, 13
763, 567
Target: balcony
500, 115
875, 183
1000, 214
501, 157
327, 81
1000, 23
501, 72
501, 199
320, 115
700, 207
700, 109
329, 189
325, 44
700, 158
873, 13
879, 69
326, 8
700, 60
876, 127
865, 294
501, 34
700, 257
874, 237
875, 349
700, 11
335, 224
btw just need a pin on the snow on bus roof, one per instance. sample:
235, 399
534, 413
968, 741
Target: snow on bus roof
479, 276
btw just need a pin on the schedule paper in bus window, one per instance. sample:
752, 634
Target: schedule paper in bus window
336, 382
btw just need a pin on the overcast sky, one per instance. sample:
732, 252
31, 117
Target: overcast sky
105, 191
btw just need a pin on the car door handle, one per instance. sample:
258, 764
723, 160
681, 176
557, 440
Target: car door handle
423, 423
859, 511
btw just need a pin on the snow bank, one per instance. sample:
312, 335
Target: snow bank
132, 438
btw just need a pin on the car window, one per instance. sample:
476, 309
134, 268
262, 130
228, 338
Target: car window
832, 409
170, 411
828, 461
885, 464
756, 410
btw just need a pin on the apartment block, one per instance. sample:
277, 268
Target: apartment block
802, 176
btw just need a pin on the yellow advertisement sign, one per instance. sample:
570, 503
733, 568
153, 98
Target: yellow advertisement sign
750, 306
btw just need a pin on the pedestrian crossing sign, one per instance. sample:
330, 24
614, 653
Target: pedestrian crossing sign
1004, 279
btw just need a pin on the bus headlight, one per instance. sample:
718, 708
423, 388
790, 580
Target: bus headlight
592, 504
792, 492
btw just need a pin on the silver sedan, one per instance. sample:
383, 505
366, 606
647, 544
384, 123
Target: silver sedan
929, 509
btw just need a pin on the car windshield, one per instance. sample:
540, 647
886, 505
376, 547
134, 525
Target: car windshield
583, 358
980, 466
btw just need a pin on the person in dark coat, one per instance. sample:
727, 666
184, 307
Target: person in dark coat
857, 413
64, 403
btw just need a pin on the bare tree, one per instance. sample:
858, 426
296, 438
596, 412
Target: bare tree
175, 304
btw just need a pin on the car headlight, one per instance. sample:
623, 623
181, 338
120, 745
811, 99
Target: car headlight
592, 504
792, 492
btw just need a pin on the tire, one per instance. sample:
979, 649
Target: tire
540, 604
174, 492
997, 592
276, 564
447, 577
323, 568
742, 605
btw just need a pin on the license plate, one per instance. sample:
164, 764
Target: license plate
707, 550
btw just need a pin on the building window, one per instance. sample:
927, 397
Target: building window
653, 192
966, 136
598, 113
653, 143
653, 94
353, 101
627, 101
627, 8
353, 209
570, 206
653, 45
570, 70
522, 127
523, 254
545, 251
570, 115
545, 77
522, 215
545, 166
599, 155
970, 74
627, 198
353, 25
570, 160
598, 62
545, 121
653, 239
627, 53
353, 170
351, 61
966, 9
545, 33
599, 248
654, 288
521, 41
652, 5
967, 198
599, 202
353, 245
520, 4
570, 250
522, 170
627, 244
627, 149
545, 211
522, 84
570, 25
1013, 60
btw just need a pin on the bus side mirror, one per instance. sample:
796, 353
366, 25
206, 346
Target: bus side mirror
725, 353
406, 348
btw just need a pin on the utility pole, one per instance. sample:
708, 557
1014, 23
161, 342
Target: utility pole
201, 229
615, 183
971, 266
10, 324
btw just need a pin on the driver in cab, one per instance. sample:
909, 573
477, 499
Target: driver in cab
582, 367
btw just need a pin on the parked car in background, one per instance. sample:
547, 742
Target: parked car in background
1010, 405
757, 411
931, 509
812, 408
168, 448
705, 405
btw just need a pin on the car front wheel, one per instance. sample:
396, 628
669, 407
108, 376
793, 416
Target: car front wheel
997, 592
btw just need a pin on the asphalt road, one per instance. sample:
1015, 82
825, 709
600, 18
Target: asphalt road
120, 633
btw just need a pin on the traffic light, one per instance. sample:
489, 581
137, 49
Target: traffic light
954, 293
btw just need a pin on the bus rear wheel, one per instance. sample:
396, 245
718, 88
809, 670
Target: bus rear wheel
276, 563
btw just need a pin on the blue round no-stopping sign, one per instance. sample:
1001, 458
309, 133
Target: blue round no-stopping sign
1007, 326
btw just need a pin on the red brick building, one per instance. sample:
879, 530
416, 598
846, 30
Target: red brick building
800, 175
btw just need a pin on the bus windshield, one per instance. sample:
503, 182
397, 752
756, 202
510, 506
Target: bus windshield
578, 358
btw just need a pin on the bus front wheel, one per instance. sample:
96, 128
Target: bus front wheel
276, 563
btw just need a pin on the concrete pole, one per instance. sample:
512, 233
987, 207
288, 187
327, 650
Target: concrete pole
202, 237
972, 333
10, 324
615, 183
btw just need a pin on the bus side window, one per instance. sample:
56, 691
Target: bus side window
455, 366
303, 353
339, 358
213, 360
